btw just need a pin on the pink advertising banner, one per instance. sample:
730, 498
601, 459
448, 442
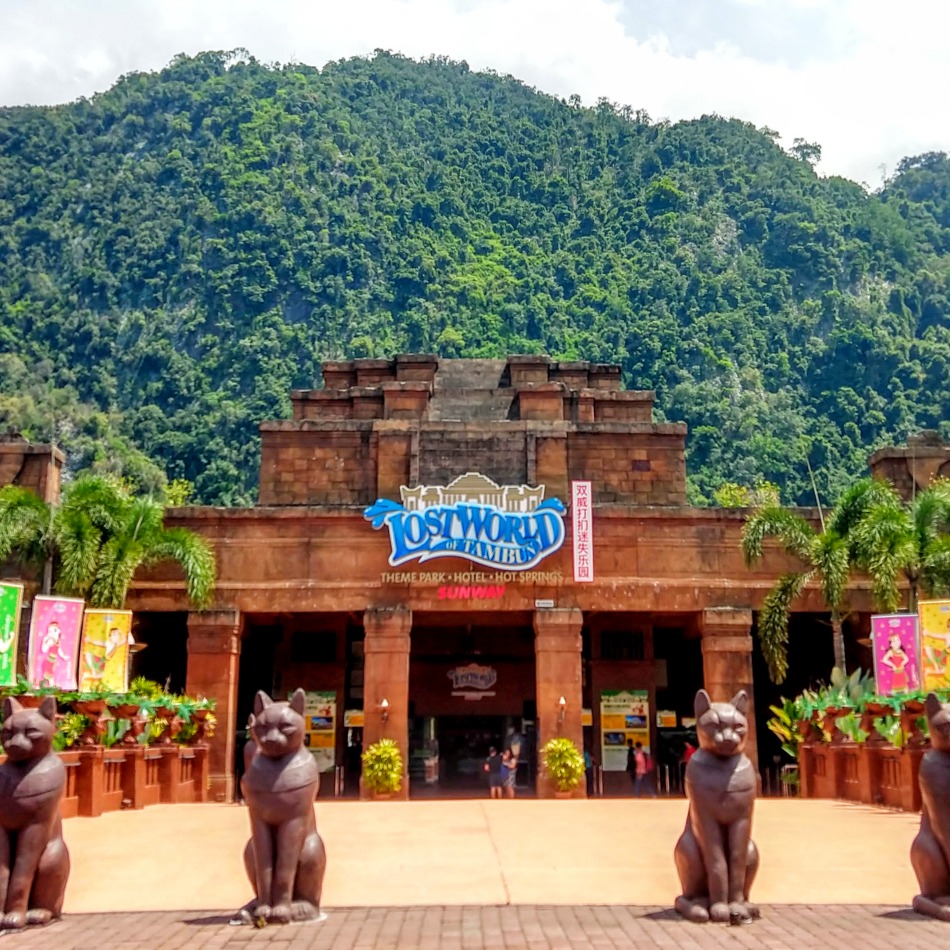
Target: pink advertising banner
896, 653
54, 641
583, 530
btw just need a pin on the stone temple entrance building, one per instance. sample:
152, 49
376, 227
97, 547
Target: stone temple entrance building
448, 551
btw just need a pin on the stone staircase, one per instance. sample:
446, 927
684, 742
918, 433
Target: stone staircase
470, 391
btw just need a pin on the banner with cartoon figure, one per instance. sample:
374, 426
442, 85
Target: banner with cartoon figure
11, 600
54, 641
896, 653
104, 656
934, 643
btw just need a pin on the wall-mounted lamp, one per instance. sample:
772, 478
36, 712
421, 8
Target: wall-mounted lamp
384, 709
561, 708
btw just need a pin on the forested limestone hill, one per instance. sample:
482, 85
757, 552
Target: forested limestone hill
179, 252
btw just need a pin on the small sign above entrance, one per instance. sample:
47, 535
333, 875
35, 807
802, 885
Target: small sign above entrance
504, 526
473, 681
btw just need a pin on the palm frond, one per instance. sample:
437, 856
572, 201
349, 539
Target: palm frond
935, 568
882, 527
773, 623
25, 525
831, 557
194, 555
792, 531
119, 558
857, 500
143, 519
98, 498
930, 513
78, 540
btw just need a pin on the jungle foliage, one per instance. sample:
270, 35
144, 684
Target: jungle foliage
180, 251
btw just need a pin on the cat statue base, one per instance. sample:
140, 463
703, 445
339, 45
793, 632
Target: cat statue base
930, 850
34, 862
285, 858
715, 856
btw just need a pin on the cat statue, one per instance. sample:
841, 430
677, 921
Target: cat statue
930, 850
34, 862
715, 856
285, 858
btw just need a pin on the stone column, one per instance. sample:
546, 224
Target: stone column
214, 651
557, 645
727, 662
386, 676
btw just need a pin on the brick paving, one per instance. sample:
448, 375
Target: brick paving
789, 927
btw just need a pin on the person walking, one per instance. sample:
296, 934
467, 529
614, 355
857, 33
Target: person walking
493, 767
642, 772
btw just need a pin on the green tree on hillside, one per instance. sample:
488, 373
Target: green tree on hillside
184, 249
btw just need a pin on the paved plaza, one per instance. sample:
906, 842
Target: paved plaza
490, 874
789, 927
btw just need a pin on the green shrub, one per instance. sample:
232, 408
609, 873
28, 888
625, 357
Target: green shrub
382, 767
564, 763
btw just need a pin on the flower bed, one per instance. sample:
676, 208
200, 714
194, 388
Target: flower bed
127, 750
854, 745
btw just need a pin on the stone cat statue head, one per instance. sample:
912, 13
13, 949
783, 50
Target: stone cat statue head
28, 733
278, 727
938, 718
721, 728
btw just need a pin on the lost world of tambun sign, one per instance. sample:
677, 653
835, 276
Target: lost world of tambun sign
510, 526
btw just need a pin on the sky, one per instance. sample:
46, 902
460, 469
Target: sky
867, 80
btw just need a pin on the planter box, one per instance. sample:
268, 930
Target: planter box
100, 780
869, 773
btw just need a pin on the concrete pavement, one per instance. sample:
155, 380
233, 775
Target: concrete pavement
487, 853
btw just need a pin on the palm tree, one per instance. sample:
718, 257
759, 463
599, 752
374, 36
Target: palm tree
140, 539
894, 539
91, 544
827, 556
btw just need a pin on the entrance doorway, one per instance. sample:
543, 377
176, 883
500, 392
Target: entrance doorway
471, 682
448, 754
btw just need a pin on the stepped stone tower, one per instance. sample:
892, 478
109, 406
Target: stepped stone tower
378, 425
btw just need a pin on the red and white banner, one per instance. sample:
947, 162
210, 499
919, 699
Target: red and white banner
583, 530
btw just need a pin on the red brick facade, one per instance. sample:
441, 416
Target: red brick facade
307, 596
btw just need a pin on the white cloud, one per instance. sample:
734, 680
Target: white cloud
864, 78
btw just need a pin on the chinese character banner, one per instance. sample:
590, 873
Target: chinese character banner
583, 531
104, 657
11, 601
54, 641
896, 653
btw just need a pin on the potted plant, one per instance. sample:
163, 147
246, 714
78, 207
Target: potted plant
382, 768
564, 763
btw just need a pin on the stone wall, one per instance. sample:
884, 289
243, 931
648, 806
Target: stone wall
37, 467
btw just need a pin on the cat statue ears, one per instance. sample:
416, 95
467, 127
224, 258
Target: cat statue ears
47, 707
703, 702
297, 702
932, 705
